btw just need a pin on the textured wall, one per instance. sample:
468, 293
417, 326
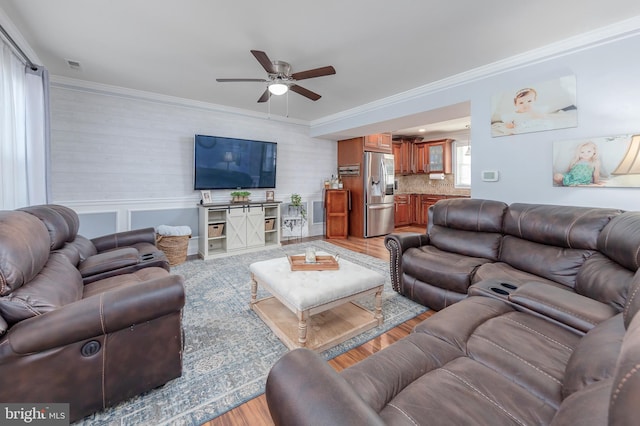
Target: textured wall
113, 152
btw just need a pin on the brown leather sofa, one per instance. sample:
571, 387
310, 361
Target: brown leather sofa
89, 341
543, 329
587, 251
478, 362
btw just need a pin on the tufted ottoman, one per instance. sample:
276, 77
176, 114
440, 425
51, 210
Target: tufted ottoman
315, 309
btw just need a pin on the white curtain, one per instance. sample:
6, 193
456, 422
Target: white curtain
23, 132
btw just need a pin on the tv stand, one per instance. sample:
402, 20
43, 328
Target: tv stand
233, 228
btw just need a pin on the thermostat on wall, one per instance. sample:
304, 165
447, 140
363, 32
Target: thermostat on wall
490, 175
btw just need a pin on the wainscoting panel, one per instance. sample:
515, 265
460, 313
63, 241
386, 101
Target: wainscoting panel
171, 217
97, 224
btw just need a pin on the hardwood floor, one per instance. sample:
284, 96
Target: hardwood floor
255, 412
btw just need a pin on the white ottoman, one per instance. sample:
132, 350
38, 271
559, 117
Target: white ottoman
315, 309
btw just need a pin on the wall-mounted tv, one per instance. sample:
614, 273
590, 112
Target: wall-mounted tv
228, 163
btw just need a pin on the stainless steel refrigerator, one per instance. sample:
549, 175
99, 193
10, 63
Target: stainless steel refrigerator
378, 183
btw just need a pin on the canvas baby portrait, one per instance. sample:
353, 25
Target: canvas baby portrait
612, 161
536, 107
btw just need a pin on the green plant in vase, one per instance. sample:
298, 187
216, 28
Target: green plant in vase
296, 203
239, 196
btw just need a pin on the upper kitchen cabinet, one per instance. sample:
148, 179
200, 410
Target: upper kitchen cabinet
432, 156
379, 142
439, 156
402, 157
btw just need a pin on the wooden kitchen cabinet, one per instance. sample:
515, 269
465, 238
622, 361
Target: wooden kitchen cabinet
402, 210
336, 213
427, 201
420, 158
379, 142
432, 157
402, 157
439, 156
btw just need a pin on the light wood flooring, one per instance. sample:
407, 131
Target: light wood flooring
255, 412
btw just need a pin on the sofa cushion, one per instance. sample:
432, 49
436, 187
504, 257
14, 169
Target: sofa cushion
58, 283
527, 350
123, 280
469, 214
56, 224
604, 280
620, 240
465, 392
397, 367
474, 244
554, 263
501, 271
623, 405
562, 226
587, 407
441, 268
70, 216
84, 246
24, 249
594, 358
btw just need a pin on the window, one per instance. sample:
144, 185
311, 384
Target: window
462, 163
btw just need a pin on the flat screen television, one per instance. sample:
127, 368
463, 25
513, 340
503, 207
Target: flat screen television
228, 163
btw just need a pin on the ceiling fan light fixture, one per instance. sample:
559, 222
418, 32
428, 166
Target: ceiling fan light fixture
278, 88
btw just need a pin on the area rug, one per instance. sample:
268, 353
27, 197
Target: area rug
228, 350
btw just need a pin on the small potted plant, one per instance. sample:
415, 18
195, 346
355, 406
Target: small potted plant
296, 203
240, 196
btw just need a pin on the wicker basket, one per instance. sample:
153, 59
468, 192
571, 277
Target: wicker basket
174, 247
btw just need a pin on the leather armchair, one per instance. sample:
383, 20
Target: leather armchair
88, 344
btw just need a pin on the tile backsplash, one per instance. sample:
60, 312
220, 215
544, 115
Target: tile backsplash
421, 184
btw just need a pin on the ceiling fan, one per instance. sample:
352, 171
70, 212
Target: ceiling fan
280, 79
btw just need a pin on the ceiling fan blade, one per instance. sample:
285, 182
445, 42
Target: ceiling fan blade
317, 72
228, 80
264, 61
265, 96
304, 92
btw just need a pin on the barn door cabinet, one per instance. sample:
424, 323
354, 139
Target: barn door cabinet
226, 229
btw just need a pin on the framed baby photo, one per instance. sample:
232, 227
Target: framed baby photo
612, 161
206, 197
270, 196
535, 107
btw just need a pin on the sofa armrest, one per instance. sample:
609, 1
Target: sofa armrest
109, 261
302, 389
98, 315
124, 239
572, 309
397, 244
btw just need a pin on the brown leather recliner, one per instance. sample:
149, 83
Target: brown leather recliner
88, 344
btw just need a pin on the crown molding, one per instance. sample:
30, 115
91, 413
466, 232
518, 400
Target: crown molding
618, 31
135, 94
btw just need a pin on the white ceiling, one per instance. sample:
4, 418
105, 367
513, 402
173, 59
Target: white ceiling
379, 48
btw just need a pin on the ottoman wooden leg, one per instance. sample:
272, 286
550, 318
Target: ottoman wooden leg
303, 319
254, 291
378, 314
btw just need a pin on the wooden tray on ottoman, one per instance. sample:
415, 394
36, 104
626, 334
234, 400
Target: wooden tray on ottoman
323, 263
